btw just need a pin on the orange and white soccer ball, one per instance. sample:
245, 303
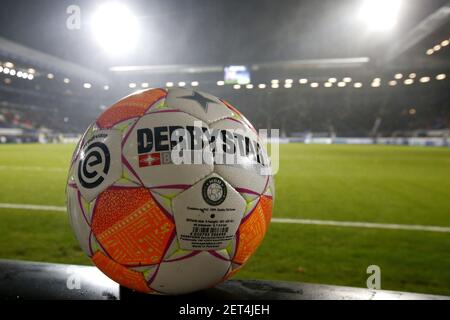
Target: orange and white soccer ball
152, 203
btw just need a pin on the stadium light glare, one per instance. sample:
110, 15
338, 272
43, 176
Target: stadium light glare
144, 84
303, 81
194, 83
105, 87
398, 76
408, 81
261, 86
375, 84
288, 81
87, 85
9, 64
275, 81
30, 76
66, 80
445, 43
220, 83
237, 86
181, 84
169, 84
341, 84
249, 86
357, 85
132, 85
441, 76
25, 75
1, 68
425, 79
6, 70
380, 15
429, 52
50, 76
412, 75
115, 28
327, 84
288, 85
31, 70
347, 79
12, 72
19, 74
275, 86
314, 84
437, 47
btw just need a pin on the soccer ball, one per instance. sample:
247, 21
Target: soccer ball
170, 191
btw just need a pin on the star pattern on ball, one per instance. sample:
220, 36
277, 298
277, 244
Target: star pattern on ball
200, 99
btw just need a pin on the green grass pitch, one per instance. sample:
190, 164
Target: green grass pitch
384, 184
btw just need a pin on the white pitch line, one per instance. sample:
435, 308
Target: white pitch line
369, 225
33, 168
31, 207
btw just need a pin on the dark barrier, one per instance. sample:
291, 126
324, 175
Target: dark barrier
36, 280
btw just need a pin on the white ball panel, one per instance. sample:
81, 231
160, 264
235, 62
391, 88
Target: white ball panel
191, 274
79, 219
199, 104
99, 164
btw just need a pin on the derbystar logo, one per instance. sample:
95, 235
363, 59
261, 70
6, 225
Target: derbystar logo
157, 146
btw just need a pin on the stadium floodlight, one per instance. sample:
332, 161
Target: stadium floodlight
441, 76
327, 84
398, 76
332, 80
50, 76
1, 68
288, 85
408, 81
347, 79
31, 70
220, 83
115, 28
429, 52
412, 75
314, 85
437, 47
194, 83
303, 81
66, 80
169, 84
105, 87
249, 86
392, 83
375, 84
275, 85
181, 84
12, 72
261, 86
9, 64
288, 81
341, 84
357, 85
275, 81
30, 76
19, 74
132, 85
26, 75
425, 79
237, 86
144, 84
87, 85
380, 15
445, 43
6, 70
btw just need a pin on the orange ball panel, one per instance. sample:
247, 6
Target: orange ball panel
132, 106
131, 227
126, 277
